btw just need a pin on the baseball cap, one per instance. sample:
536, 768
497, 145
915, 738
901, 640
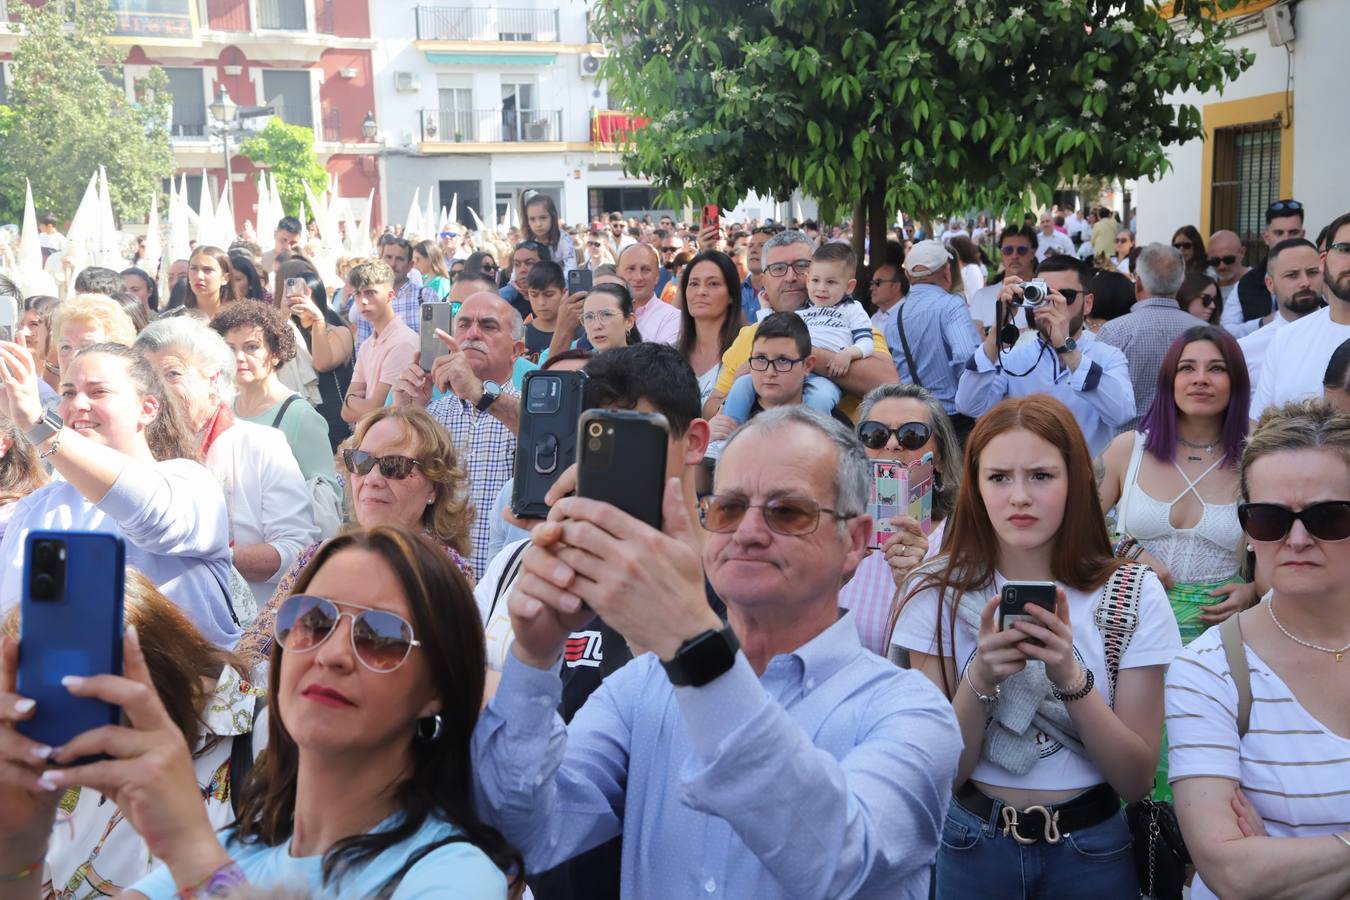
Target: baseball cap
926, 257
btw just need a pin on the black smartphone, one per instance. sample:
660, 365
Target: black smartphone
1017, 595
434, 316
547, 443
621, 459
73, 583
578, 280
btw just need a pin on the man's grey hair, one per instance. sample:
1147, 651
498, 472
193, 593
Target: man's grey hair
517, 323
787, 239
854, 468
199, 344
1160, 269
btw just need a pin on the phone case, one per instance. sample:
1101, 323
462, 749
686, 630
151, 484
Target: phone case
579, 280
896, 489
628, 467
434, 315
1016, 595
78, 633
547, 442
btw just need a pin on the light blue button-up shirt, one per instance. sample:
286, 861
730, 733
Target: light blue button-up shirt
942, 338
828, 777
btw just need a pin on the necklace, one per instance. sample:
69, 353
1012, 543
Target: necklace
1208, 448
1297, 640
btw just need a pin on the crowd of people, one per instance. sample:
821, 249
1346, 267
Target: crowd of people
754, 699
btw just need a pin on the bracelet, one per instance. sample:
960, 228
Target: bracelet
220, 883
1123, 546
986, 699
1342, 838
26, 871
1079, 694
56, 445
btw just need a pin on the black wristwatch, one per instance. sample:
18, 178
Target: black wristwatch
1070, 345
702, 658
491, 391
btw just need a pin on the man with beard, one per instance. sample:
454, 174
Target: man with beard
1066, 361
1299, 352
1294, 276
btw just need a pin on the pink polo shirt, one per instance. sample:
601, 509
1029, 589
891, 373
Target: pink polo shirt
383, 357
658, 321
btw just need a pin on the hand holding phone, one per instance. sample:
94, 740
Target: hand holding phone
622, 461
9, 316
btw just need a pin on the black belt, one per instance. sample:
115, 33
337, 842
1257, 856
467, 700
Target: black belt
1043, 823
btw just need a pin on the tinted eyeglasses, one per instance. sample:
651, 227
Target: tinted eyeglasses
790, 516
1015, 250
910, 435
1223, 260
1270, 522
1207, 299
382, 641
489, 267
359, 462
779, 269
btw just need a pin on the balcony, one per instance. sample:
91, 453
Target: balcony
494, 126
188, 130
468, 23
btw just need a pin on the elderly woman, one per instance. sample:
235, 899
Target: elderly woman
426, 492
262, 339
271, 520
902, 423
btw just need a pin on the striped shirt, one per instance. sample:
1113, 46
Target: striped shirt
1144, 334
1295, 770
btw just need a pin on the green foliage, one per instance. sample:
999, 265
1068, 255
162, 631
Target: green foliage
940, 104
71, 114
11, 185
288, 150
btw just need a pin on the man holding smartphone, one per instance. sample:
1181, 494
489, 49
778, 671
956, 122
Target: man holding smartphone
741, 757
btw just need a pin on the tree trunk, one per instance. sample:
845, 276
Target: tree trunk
876, 225
859, 232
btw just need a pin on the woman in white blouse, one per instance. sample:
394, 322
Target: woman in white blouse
1055, 738
1266, 809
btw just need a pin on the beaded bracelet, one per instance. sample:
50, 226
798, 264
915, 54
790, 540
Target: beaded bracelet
23, 873
220, 883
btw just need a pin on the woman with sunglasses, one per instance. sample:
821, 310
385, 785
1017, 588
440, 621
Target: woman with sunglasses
481, 262
901, 423
597, 252
426, 492
1055, 736
1199, 295
1124, 246
1264, 804
1191, 246
365, 789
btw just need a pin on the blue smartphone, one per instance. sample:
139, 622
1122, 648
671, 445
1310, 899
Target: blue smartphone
73, 583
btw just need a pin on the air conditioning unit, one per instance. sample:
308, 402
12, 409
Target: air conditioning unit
590, 64
1279, 24
347, 72
407, 82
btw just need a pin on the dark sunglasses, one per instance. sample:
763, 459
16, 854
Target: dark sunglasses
1207, 300
1224, 260
359, 462
489, 267
1270, 522
1182, 245
1069, 295
910, 436
1015, 250
382, 641
791, 516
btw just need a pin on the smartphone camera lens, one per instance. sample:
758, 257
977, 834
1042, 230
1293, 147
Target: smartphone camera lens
594, 445
1012, 595
48, 575
595, 430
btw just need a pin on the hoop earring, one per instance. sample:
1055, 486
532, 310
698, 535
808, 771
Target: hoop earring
437, 726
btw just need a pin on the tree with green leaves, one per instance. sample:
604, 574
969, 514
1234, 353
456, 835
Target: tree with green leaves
288, 151
71, 113
929, 106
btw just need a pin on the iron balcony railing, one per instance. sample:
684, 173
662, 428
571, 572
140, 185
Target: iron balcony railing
491, 125
475, 23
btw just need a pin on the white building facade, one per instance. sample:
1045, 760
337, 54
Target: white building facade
1279, 131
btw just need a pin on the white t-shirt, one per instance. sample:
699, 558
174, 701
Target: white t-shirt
1156, 641
1290, 766
1296, 360
1256, 343
984, 306
972, 279
1057, 241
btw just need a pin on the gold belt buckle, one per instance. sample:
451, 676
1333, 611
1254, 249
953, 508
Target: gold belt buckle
1011, 821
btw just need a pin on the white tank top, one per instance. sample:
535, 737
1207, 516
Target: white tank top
1210, 550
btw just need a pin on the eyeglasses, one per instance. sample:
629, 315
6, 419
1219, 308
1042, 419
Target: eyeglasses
1340, 247
382, 641
878, 282
1223, 260
910, 436
359, 462
592, 243
599, 316
1069, 295
1207, 300
779, 269
1122, 240
1015, 250
790, 516
671, 249
761, 363
1270, 522
1182, 245
766, 229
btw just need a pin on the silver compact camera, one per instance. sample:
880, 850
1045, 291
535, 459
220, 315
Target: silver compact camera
1035, 294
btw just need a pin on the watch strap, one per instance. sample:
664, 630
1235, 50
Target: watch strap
48, 425
703, 658
491, 391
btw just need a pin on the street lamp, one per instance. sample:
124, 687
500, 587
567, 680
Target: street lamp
225, 111
369, 128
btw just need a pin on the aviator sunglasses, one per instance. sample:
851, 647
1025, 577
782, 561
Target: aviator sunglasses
1270, 522
382, 641
910, 436
359, 462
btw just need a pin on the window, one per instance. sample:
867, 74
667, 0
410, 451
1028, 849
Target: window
289, 94
469, 193
189, 102
1246, 181
517, 109
457, 122
282, 15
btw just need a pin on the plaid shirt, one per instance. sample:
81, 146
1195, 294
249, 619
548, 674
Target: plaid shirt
487, 450
1144, 334
408, 302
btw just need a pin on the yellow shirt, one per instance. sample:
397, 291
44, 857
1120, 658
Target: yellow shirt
739, 353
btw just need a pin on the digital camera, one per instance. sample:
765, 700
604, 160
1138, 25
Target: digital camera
1035, 294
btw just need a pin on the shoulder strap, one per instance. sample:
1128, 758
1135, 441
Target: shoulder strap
904, 345
509, 574
285, 405
1230, 632
1130, 481
1117, 616
241, 763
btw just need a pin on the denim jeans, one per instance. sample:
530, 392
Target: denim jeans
976, 860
